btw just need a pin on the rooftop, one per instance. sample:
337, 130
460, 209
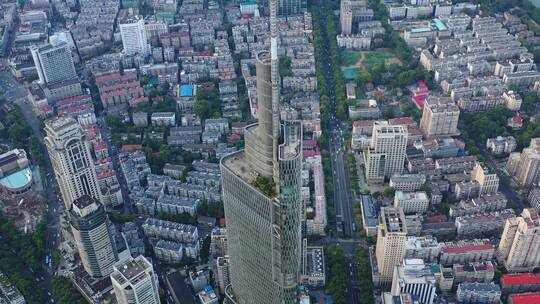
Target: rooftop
18, 179
526, 298
521, 278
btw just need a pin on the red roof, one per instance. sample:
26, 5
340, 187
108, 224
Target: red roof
518, 119
526, 298
436, 219
131, 148
520, 279
419, 100
467, 248
408, 121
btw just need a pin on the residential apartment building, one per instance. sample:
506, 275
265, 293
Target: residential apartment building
525, 167
407, 182
439, 117
519, 248
411, 202
134, 38
489, 182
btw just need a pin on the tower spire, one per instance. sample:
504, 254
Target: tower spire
274, 78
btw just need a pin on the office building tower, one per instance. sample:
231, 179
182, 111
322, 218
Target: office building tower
134, 36
386, 154
134, 282
71, 159
489, 182
291, 7
390, 247
262, 195
519, 248
92, 234
414, 277
525, 167
440, 117
54, 64
223, 273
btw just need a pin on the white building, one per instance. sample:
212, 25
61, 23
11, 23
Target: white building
134, 38
54, 64
411, 202
71, 159
386, 154
415, 278
135, 282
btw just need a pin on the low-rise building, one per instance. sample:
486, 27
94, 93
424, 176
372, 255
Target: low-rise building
500, 145
411, 202
483, 224
424, 247
313, 267
407, 182
482, 272
163, 119
466, 251
520, 282
488, 293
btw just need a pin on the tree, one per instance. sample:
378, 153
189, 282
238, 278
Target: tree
65, 293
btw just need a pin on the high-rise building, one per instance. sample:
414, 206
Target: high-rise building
519, 248
390, 247
134, 36
439, 117
92, 234
134, 282
71, 159
386, 154
54, 64
489, 182
291, 7
526, 168
262, 195
223, 273
346, 17
416, 278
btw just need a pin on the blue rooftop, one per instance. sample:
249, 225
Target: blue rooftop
248, 3
186, 90
439, 25
17, 179
421, 30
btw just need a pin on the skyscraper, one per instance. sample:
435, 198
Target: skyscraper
262, 195
54, 64
386, 154
91, 231
291, 7
134, 36
71, 159
390, 247
519, 248
135, 282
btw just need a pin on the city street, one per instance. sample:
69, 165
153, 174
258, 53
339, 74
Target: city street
343, 197
16, 93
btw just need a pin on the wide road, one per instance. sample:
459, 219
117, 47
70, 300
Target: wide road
343, 198
16, 93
